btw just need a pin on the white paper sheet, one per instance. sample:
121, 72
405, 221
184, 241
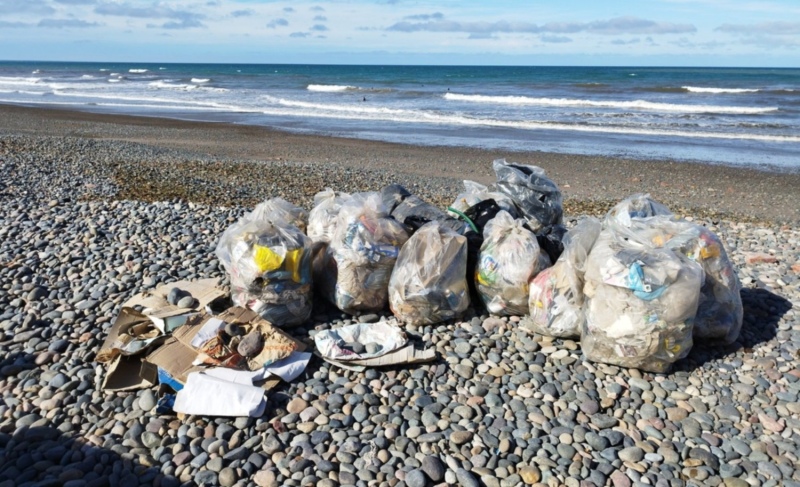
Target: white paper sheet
209, 331
209, 396
289, 368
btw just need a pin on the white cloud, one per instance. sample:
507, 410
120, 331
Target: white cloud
767, 28
66, 24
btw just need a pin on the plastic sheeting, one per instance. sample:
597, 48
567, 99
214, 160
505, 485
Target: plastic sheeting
640, 303
536, 196
429, 282
556, 294
720, 312
322, 218
269, 264
510, 257
358, 263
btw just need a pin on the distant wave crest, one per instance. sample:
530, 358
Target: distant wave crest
628, 105
137, 70
702, 89
200, 80
330, 88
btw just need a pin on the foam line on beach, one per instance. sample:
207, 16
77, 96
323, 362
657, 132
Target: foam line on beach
625, 105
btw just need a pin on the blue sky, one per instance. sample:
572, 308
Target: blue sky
567, 32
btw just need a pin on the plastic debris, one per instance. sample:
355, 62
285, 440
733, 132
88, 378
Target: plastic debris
556, 294
322, 218
359, 260
269, 264
537, 197
510, 257
640, 303
429, 282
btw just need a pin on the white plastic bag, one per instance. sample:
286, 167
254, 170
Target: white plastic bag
556, 294
474, 193
275, 209
510, 257
429, 282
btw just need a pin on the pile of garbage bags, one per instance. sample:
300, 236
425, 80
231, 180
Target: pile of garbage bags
638, 288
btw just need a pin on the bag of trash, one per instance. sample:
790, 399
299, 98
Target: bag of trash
537, 197
632, 208
640, 303
720, 312
322, 218
474, 193
414, 212
359, 260
510, 257
278, 208
429, 282
556, 294
269, 264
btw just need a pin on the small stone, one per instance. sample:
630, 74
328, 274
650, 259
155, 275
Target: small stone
296, 405
147, 400
416, 478
460, 437
530, 475
186, 302
174, 296
251, 345
632, 454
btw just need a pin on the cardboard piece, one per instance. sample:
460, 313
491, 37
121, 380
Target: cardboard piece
124, 374
402, 356
129, 327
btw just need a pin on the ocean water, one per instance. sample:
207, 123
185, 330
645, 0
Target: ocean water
730, 116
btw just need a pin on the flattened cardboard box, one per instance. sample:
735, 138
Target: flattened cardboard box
177, 355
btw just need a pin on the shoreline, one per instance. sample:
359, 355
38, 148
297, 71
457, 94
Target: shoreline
589, 183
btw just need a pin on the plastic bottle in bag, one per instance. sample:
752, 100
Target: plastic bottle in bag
640, 303
429, 282
279, 208
537, 197
720, 312
322, 218
362, 253
510, 257
556, 294
269, 264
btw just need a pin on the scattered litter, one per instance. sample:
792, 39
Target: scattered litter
556, 294
429, 281
510, 257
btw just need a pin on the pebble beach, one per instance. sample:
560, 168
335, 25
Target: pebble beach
97, 208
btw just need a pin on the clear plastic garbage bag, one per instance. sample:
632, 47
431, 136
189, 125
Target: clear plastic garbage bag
510, 257
278, 208
720, 312
631, 209
640, 303
537, 196
359, 260
556, 294
322, 218
269, 264
429, 282
474, 193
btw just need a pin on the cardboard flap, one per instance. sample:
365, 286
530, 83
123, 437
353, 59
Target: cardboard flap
125, 374
128, 320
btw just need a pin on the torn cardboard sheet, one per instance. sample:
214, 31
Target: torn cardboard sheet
124, 374
210, 396
131, 333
